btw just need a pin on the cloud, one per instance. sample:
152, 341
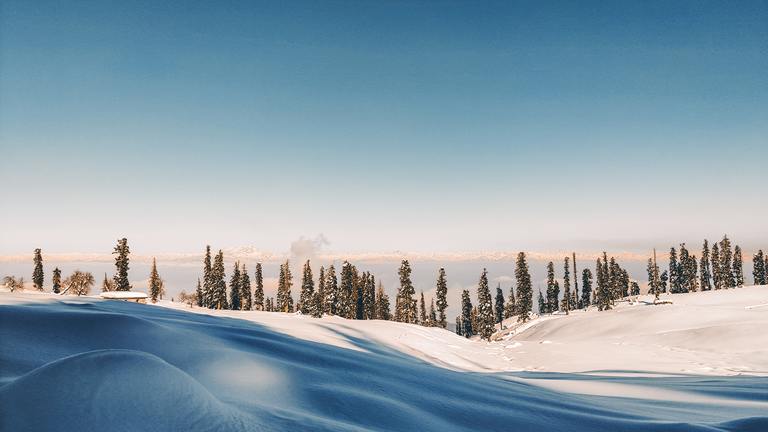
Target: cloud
305, 248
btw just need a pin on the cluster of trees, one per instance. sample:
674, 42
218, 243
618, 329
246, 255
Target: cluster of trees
718, 268
481, 319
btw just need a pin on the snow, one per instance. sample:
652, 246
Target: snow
82, 363
123, 295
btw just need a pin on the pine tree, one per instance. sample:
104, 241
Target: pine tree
726, 265
738, 269
459, 325
553, 291
576, 284
347, 290
510, 309
331, 292
663, 279
107, 284
586, 288
432, 314
246, 300
422, 311
684, 271
369, 299
485, 315
758, 268
634, 289
542, 304
717, 277
284, 301
155, 283
406, 304
705, 271
218, 283
499, 306
121, 263
652, 287
382, 304
603, 290
359, 295
56, 281
207, 298
442, 300
37, 275
674, 272
307, 294
258, 291
234, 288
566, 286
320, 294
524, 288
199, 293
466, 315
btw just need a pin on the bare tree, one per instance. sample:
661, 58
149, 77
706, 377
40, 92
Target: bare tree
14, 284
79, 283
190, 299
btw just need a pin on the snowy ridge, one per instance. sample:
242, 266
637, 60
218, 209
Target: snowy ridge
83, 364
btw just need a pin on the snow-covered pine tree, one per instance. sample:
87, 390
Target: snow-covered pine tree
442, 298
347, 291
432, 314
285, 282
234, 288
717, 277
207, 297
758, 268
406, 303
634, 288
121, 263
524, 288
542, 304
369, 297
320, 294
382, 304
726, 263
614, 284
331, 292
107, 284
510, 308
652, 287
307, 294
552, 295
422, 311
466, 315
458, 325
586, 288
738, 269
603, 290
56, 281
705, 271
199, 293
155, 283
499, 306
258, 290
37, 274
218, 283
664, 278
566, 286
246, 299
361, 282
683, 273
674, 272
485, 315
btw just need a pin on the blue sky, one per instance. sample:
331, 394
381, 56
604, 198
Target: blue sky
425, 126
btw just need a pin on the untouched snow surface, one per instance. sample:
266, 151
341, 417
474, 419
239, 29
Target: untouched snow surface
79, 364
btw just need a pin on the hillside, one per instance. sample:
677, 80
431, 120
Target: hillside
71, 363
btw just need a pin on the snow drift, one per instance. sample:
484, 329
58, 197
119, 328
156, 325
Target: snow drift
85, 364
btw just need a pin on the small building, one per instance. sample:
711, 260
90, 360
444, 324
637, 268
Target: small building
130, 296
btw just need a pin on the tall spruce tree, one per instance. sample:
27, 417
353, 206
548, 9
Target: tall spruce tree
361, 281
705, 270
234, 288
258, 290
207, 298
155, 283
246, 299
382, 304
218, 283
726, 263
553, 290
331, 292
674, 272
56, 281
347, 291
566, 286
717, 277
442, 300
466, 315
199, 293
652, 287
37, 274
107, 284
524, 288
586, 287
510, 308
320, 294
499, 306
422, 311
369, 298
576, 283
284, 301
758, 268
432, 314
542, 304
603, 289
307, 294
406, 304
738, 269
634, 289
485, 315
121, 263
664, 278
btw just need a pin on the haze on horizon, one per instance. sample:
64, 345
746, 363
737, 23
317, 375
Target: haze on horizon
382, 126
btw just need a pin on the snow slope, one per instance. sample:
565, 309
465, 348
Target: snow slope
70, 363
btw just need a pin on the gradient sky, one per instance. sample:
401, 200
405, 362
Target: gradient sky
424, 126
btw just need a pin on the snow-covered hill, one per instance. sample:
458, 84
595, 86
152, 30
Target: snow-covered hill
69, 363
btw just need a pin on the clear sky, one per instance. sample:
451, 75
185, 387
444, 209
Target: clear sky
383, 125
